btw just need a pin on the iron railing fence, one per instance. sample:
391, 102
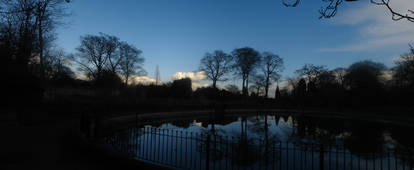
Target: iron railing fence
194, 150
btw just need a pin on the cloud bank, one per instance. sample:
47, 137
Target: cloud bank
194, 76
375, 27
142, 80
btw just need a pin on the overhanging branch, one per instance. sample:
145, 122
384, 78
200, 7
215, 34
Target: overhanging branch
332, 8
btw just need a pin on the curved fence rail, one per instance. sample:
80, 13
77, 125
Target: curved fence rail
190, 150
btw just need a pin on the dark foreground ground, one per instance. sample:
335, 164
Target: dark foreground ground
54, 144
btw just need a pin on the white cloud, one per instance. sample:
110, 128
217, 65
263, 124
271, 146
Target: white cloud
81, 77
142, 80
375, 27
284, 85
198, 85
387, 75
194, 76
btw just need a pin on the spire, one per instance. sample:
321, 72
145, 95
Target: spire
157, 76
277, 92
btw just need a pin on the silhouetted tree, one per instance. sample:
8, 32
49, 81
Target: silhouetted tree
328, 90
259, 85
17, 49
246, 60
91, 56
215, 65
111, 46
300, 91
363, 79
339, 74
25, 27
311, 72
332, 6
48, 14
18, 33
233, 89
271, 66
325, 79
404, 71
57, 68
103, 53
130, 61
109, 80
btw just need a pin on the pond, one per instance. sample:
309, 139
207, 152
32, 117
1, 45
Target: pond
267, 141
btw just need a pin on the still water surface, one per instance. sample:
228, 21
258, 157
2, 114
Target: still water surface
268, 141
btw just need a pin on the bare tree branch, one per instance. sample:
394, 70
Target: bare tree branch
396, 16
332, 6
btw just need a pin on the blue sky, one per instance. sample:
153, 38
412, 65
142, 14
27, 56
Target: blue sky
175, 34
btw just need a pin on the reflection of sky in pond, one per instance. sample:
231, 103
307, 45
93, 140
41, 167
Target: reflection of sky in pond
287, 137
359, 135
278, 127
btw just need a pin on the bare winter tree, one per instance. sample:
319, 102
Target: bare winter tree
404, 69
339, 74
131, 61
91, 55
18, 30
99, 54
49, 14
111, 51
57, 65
246, 60
271, 66
332, 6
259, 85
233, 89
311, 72
27, 30
216, 65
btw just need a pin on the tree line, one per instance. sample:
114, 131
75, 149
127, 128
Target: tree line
32, 62
247, 64
28, 57
363, 83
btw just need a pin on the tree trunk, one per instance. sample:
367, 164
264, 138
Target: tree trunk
247, 86
267, 86
214, 83
243, 86
41, 59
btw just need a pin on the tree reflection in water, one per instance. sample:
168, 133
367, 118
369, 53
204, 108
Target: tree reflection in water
256, 140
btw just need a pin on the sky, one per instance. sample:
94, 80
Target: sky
175, 34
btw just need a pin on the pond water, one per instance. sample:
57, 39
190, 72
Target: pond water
268, 141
